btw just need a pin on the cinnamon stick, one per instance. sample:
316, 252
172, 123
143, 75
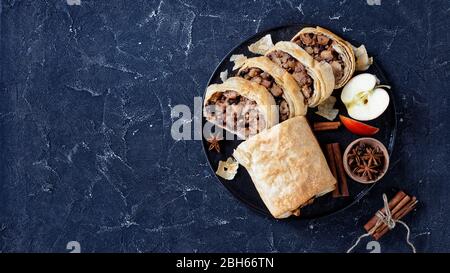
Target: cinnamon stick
397, 216
400, 206
410, 207
391, 204
325, 126
332, 164
340, 169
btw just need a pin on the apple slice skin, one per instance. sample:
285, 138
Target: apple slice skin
358, 128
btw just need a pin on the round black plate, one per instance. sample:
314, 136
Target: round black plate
242, 186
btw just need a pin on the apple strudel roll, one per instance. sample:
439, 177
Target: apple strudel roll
280, 83
287, 166
315, 79
240, 106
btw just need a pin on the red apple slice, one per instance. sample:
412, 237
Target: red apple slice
358, 128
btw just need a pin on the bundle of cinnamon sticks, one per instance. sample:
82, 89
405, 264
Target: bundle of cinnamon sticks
334, 158
400, 205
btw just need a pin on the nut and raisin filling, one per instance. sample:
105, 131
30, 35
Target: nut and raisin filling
294, 67
265, 79
321, 48
235, 112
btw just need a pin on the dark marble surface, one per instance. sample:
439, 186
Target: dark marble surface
86, 151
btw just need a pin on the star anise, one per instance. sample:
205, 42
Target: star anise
214, 143
373, 156
356, 154
366, 161
365, 170
353, 158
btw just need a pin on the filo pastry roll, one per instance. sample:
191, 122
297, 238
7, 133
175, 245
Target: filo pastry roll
240, 106
280, 83
286, 166
324, 45
315, 79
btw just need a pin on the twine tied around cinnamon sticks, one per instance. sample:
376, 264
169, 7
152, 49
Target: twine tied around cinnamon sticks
386, 218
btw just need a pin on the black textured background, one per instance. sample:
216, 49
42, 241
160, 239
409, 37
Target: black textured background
86, 151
